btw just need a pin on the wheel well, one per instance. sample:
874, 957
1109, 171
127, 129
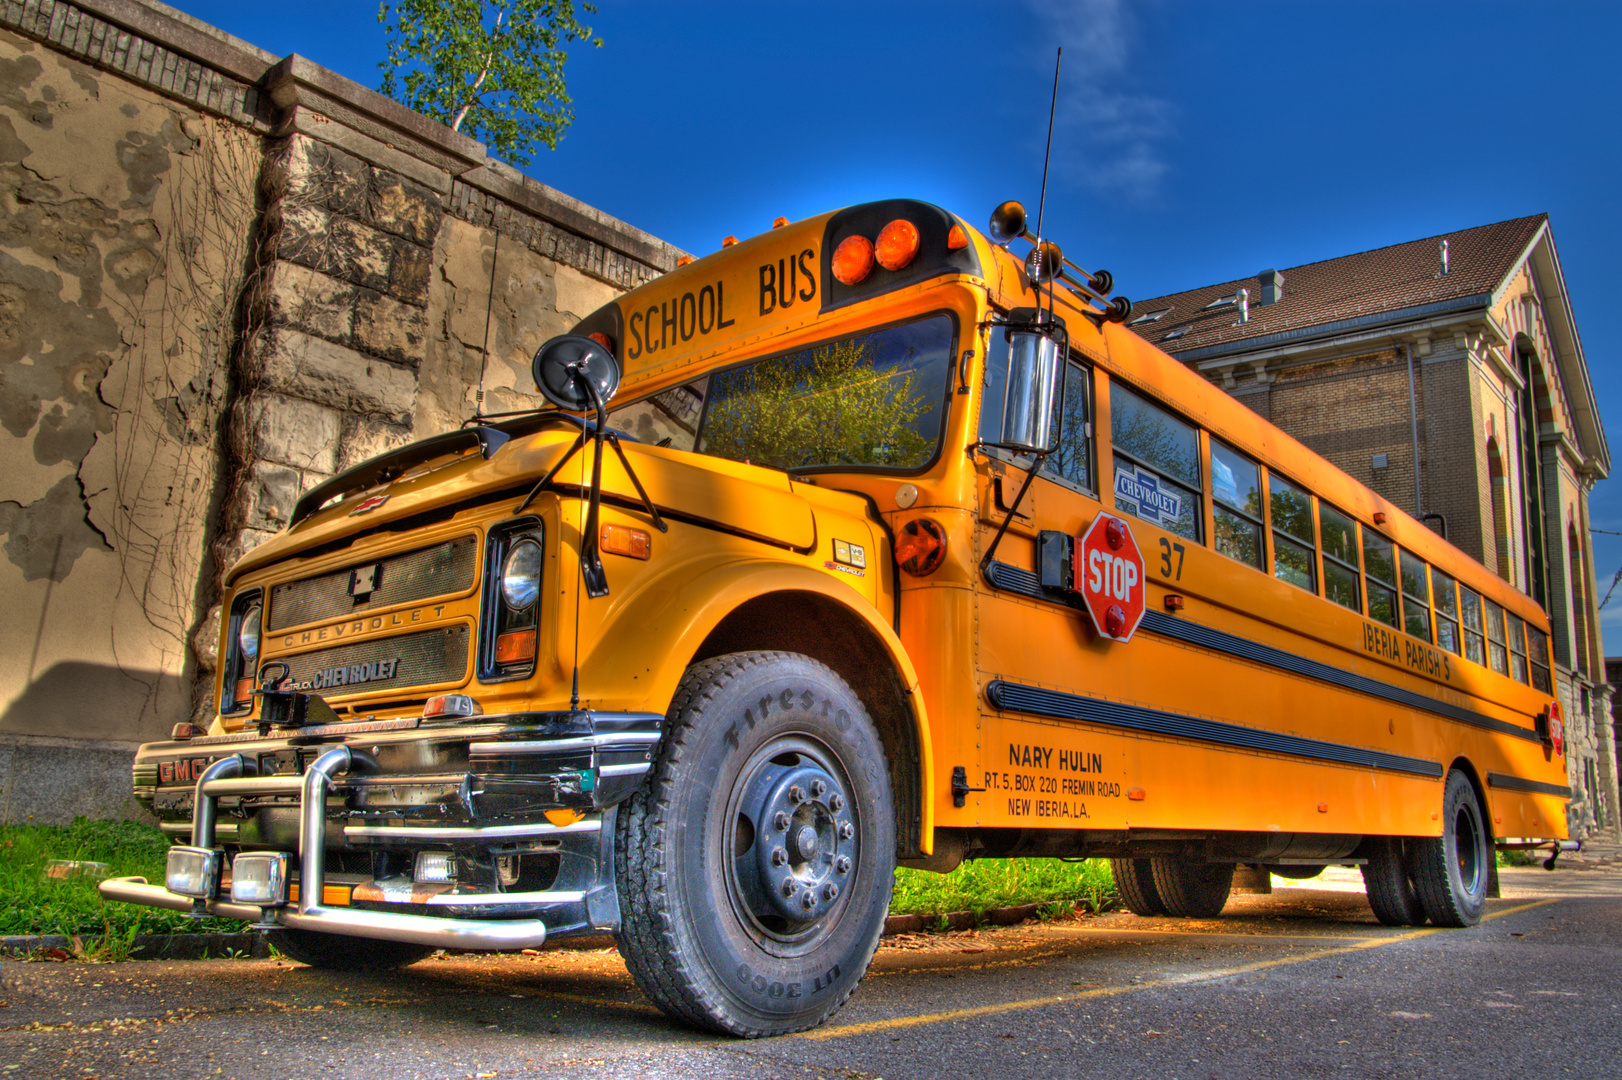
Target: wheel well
815, 626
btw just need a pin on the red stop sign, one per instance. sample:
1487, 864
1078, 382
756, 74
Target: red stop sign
1109, 576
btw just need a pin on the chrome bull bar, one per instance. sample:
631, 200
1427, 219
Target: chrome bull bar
233, 775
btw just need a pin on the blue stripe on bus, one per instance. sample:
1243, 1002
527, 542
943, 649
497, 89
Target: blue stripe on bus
1013, 579
1015, 697
1515, 783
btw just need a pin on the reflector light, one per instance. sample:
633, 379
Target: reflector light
515, 646
452, 704
563, 818
920, 546
259, 878
728, 241
684, 260
1136, 794
621, 540
957, 238
853, 260
779, 222
897, 244
603, 339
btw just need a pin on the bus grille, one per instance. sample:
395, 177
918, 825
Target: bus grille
437, 571
366, 667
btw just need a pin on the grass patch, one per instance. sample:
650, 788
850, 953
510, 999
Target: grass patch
31, 903
980, 884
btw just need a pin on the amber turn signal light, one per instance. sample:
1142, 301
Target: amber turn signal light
603, 339
515, 646
920, 546
957, 239
244, 691
620, 540
897, 244
853, 260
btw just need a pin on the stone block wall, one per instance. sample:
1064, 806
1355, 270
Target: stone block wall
224, 277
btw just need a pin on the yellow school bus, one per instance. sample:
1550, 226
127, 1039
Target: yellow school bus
864, 541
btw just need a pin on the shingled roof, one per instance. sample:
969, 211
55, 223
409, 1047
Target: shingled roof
1336, 295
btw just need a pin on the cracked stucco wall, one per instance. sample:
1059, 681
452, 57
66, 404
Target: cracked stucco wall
125, 222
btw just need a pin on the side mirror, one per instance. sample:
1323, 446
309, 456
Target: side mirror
1034, 382
576, 373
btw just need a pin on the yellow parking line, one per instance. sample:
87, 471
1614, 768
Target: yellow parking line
844, 1030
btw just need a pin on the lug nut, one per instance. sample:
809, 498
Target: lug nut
842, 864
837, 802
779, 856
817, 788
788, 888
795, 795
780, 822
845, 830
807, 901
829, 891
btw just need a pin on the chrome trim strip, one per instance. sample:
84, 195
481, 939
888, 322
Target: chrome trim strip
473, 832
548, 746
508, 898
624, 770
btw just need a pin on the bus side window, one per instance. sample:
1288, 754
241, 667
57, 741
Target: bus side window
1497, 654
1294, 551
1380, 567
1416, 599
1447, 611
1340, 557
1474, 627
1073, 461
1236, 493
1537, 647
1517, 648
1157, 464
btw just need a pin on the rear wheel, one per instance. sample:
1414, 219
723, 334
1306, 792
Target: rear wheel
1135, 882
1192, 889
755, 864
1451, 872
1390, 887
339, 952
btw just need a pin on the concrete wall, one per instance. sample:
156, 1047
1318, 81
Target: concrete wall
223, 277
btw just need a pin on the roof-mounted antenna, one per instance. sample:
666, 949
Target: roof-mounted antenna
1042, 202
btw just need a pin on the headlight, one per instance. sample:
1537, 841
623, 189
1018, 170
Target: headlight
248, 634
521, 575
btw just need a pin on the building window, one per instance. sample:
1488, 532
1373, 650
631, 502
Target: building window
1499, 483
1236, 493
1579, 600
1157, 464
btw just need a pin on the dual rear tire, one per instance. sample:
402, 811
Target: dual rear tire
1167, 886
1444, 879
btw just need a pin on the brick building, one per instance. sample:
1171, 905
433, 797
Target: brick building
1448, 375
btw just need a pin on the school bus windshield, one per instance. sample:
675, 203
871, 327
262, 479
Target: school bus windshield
873, 400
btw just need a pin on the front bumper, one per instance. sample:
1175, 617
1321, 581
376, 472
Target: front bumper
581, 763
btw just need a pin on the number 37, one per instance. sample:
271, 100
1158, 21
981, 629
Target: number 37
1167, 548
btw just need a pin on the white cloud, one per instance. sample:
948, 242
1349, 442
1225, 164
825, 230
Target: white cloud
1106, 132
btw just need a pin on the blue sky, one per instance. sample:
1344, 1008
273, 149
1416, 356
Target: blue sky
1196, 142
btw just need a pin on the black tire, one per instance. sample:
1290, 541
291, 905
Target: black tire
1451, 872
339, 952
1390, 886
755, 863
1192, 889
1135, 882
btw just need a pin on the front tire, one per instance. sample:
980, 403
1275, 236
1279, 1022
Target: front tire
755, 864
1452, 871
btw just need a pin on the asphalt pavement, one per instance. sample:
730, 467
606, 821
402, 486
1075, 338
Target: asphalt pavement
1301, 983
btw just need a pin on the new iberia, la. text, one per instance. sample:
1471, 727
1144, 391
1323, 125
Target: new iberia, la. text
1050, 782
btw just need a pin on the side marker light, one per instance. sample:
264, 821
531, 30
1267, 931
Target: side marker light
853, 260
920, 546
897, 244
1379, 517
957, 239
1135, 794
1174, 602
1323, 808
620, 540
603, 339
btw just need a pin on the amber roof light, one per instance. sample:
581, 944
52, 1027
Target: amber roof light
897, 244
853, 260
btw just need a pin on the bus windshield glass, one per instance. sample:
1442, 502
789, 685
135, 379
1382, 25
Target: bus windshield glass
875, 400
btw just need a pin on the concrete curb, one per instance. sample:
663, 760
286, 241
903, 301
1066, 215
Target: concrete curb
963, 920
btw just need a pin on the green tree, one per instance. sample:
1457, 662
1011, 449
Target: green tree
828, 406
492, 69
